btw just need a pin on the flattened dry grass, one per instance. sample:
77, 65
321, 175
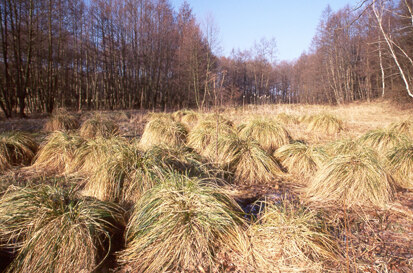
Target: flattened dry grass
180, 225
16, 149
400, 160
324, 123
54, 230
383, 140
163, 131
267, 132
249, 162
290, 238
62, 120
356, 179
98, 126
57, 154
300, 158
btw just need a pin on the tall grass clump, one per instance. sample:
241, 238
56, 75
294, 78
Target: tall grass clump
55, 230
16, 149
187, 117
354, 179
403, 127
400, 159
286, 118
343, 146
164, 131
383, 140
98, 126
180, 225
62, 120
300, 158
269, 133
57, 154
203, 138
249, 162
325, 123
291, 238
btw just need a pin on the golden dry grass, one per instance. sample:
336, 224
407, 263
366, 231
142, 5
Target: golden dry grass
400, 160
62, 120
383, 140
180, 225
325, 123
54, 230
290, 238
163, 131
16, 149
267, 132
98, 126
57, 154
300, 158
404, 127
354, 179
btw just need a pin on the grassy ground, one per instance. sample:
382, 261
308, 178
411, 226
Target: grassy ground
290, 226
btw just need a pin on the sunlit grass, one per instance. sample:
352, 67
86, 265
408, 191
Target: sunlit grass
54, 230
180, 225
98, 126
400, 159
324, 123
62, 120
16, 149
383, 140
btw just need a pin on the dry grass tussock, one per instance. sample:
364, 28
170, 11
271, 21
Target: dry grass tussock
343, 146
267, 132
383, 140
289, 238
403, 127
249, 162
98, 126
287, 118
204, 136
180, 225
53, 230
163, 131
355, 179
187, 117
56, 155
16, 149
400, 160
300, 158
62, 120
325, 123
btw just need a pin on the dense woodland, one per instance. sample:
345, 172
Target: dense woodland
123, 54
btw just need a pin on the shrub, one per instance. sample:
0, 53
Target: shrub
268, 133
180, 225
54, 230
16, 149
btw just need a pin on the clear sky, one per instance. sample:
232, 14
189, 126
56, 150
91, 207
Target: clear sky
292, 23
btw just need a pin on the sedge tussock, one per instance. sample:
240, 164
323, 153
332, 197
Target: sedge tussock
383, 140
343, 146
325, 123
400, 160
270, 134
163, 131
289, 238
300, 158
16, 149
203, 137
57, 154
98, 126
61, 120
187, 117
355, 179
403, 127
286, 118
180, 225
249, 162
55, 230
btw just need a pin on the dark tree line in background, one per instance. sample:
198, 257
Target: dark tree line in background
121, 54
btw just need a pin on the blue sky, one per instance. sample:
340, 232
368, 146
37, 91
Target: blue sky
292, 23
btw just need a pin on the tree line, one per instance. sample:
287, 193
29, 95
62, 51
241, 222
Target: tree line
124, 54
